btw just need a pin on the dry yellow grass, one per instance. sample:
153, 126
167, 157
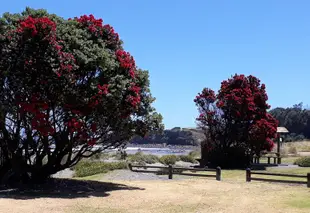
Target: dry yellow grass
195, 195
301, 146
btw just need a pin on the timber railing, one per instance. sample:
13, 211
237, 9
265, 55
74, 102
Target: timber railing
178, 170
306, 177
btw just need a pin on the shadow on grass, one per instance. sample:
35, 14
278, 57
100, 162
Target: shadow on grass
64, 188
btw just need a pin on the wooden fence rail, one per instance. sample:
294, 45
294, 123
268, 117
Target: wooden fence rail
172, 170
249, 177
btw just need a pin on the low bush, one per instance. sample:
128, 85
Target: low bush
303, 162
195, 154
187, 158
143, 159
168, 159
87, 168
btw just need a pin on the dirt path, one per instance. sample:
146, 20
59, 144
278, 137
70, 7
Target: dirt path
169, 196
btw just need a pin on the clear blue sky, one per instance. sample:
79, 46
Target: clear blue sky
187, 45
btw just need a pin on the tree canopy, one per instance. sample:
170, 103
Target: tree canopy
68, 90
235, 121
296, 119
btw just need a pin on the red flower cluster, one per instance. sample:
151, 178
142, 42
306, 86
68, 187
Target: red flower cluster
126, 61
39, 110
112, 38
80, 130
95, 27
245, 94
134, 99
206, 94
45, 28
36, 26
263, 130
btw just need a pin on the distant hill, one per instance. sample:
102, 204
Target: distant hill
175, 136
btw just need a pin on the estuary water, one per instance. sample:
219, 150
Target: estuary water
157, 151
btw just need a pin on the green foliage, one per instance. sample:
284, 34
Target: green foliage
195, 154
296, 119
143, 159
187, 158
175, 136
87, 168
168, 159
303, 162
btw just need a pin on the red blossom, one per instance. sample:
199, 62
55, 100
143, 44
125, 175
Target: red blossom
96, 28
41, 26
93, 127
126, 61
104, 89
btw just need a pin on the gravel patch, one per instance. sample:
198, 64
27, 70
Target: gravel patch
127, 175
67, 173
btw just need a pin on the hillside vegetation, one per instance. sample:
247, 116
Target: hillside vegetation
175, 136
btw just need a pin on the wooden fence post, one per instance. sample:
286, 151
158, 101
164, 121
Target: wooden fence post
268, 160
170, 171
248, 175
308, 180
279, 160
218, 173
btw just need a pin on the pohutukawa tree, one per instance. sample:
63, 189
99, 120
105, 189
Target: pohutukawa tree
235, 121
68, 90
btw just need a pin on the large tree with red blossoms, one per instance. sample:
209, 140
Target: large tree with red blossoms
236, 122
68, 90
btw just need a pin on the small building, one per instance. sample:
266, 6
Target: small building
281, 131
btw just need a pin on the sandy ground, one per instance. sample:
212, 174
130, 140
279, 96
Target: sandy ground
164, 196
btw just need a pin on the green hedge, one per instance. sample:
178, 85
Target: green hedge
168, 159
87, 168
187, 158
143, 159
303, 162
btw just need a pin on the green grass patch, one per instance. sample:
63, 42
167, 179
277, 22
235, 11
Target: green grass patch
284, 160
300, 202
88, 168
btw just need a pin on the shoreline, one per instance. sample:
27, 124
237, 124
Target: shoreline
161, 146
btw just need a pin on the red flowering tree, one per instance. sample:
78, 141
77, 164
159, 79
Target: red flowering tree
68, 91
235, 121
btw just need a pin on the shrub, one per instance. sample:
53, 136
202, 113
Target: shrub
303, 162
187, 158
143, 159
195, 154
87, 168
168, 159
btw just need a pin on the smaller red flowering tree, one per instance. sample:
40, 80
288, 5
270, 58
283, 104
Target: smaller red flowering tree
236, 122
